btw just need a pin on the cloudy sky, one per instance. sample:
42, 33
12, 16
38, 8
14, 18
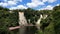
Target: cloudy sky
24, 4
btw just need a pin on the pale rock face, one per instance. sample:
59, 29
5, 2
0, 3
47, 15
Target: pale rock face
22, 19
22, 22
38, 22
45, 16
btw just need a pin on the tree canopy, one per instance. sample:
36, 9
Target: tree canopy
50, 25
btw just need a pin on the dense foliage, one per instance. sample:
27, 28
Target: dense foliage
50, 25
7, 20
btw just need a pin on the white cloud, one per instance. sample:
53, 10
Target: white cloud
35, 3
3, 4
57, 4
21, 7
5, 0
49, 7
13, 8
18, 7
18, 0
11, 3
44, 0
49, 1
13, 0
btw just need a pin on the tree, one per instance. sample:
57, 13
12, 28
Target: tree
56, 16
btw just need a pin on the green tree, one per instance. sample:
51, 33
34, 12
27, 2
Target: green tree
56, 16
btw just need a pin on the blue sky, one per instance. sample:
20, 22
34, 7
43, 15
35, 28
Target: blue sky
24, 4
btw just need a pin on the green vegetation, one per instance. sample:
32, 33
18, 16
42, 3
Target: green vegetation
50, 25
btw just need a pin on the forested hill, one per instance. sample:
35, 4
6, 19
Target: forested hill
50, 25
